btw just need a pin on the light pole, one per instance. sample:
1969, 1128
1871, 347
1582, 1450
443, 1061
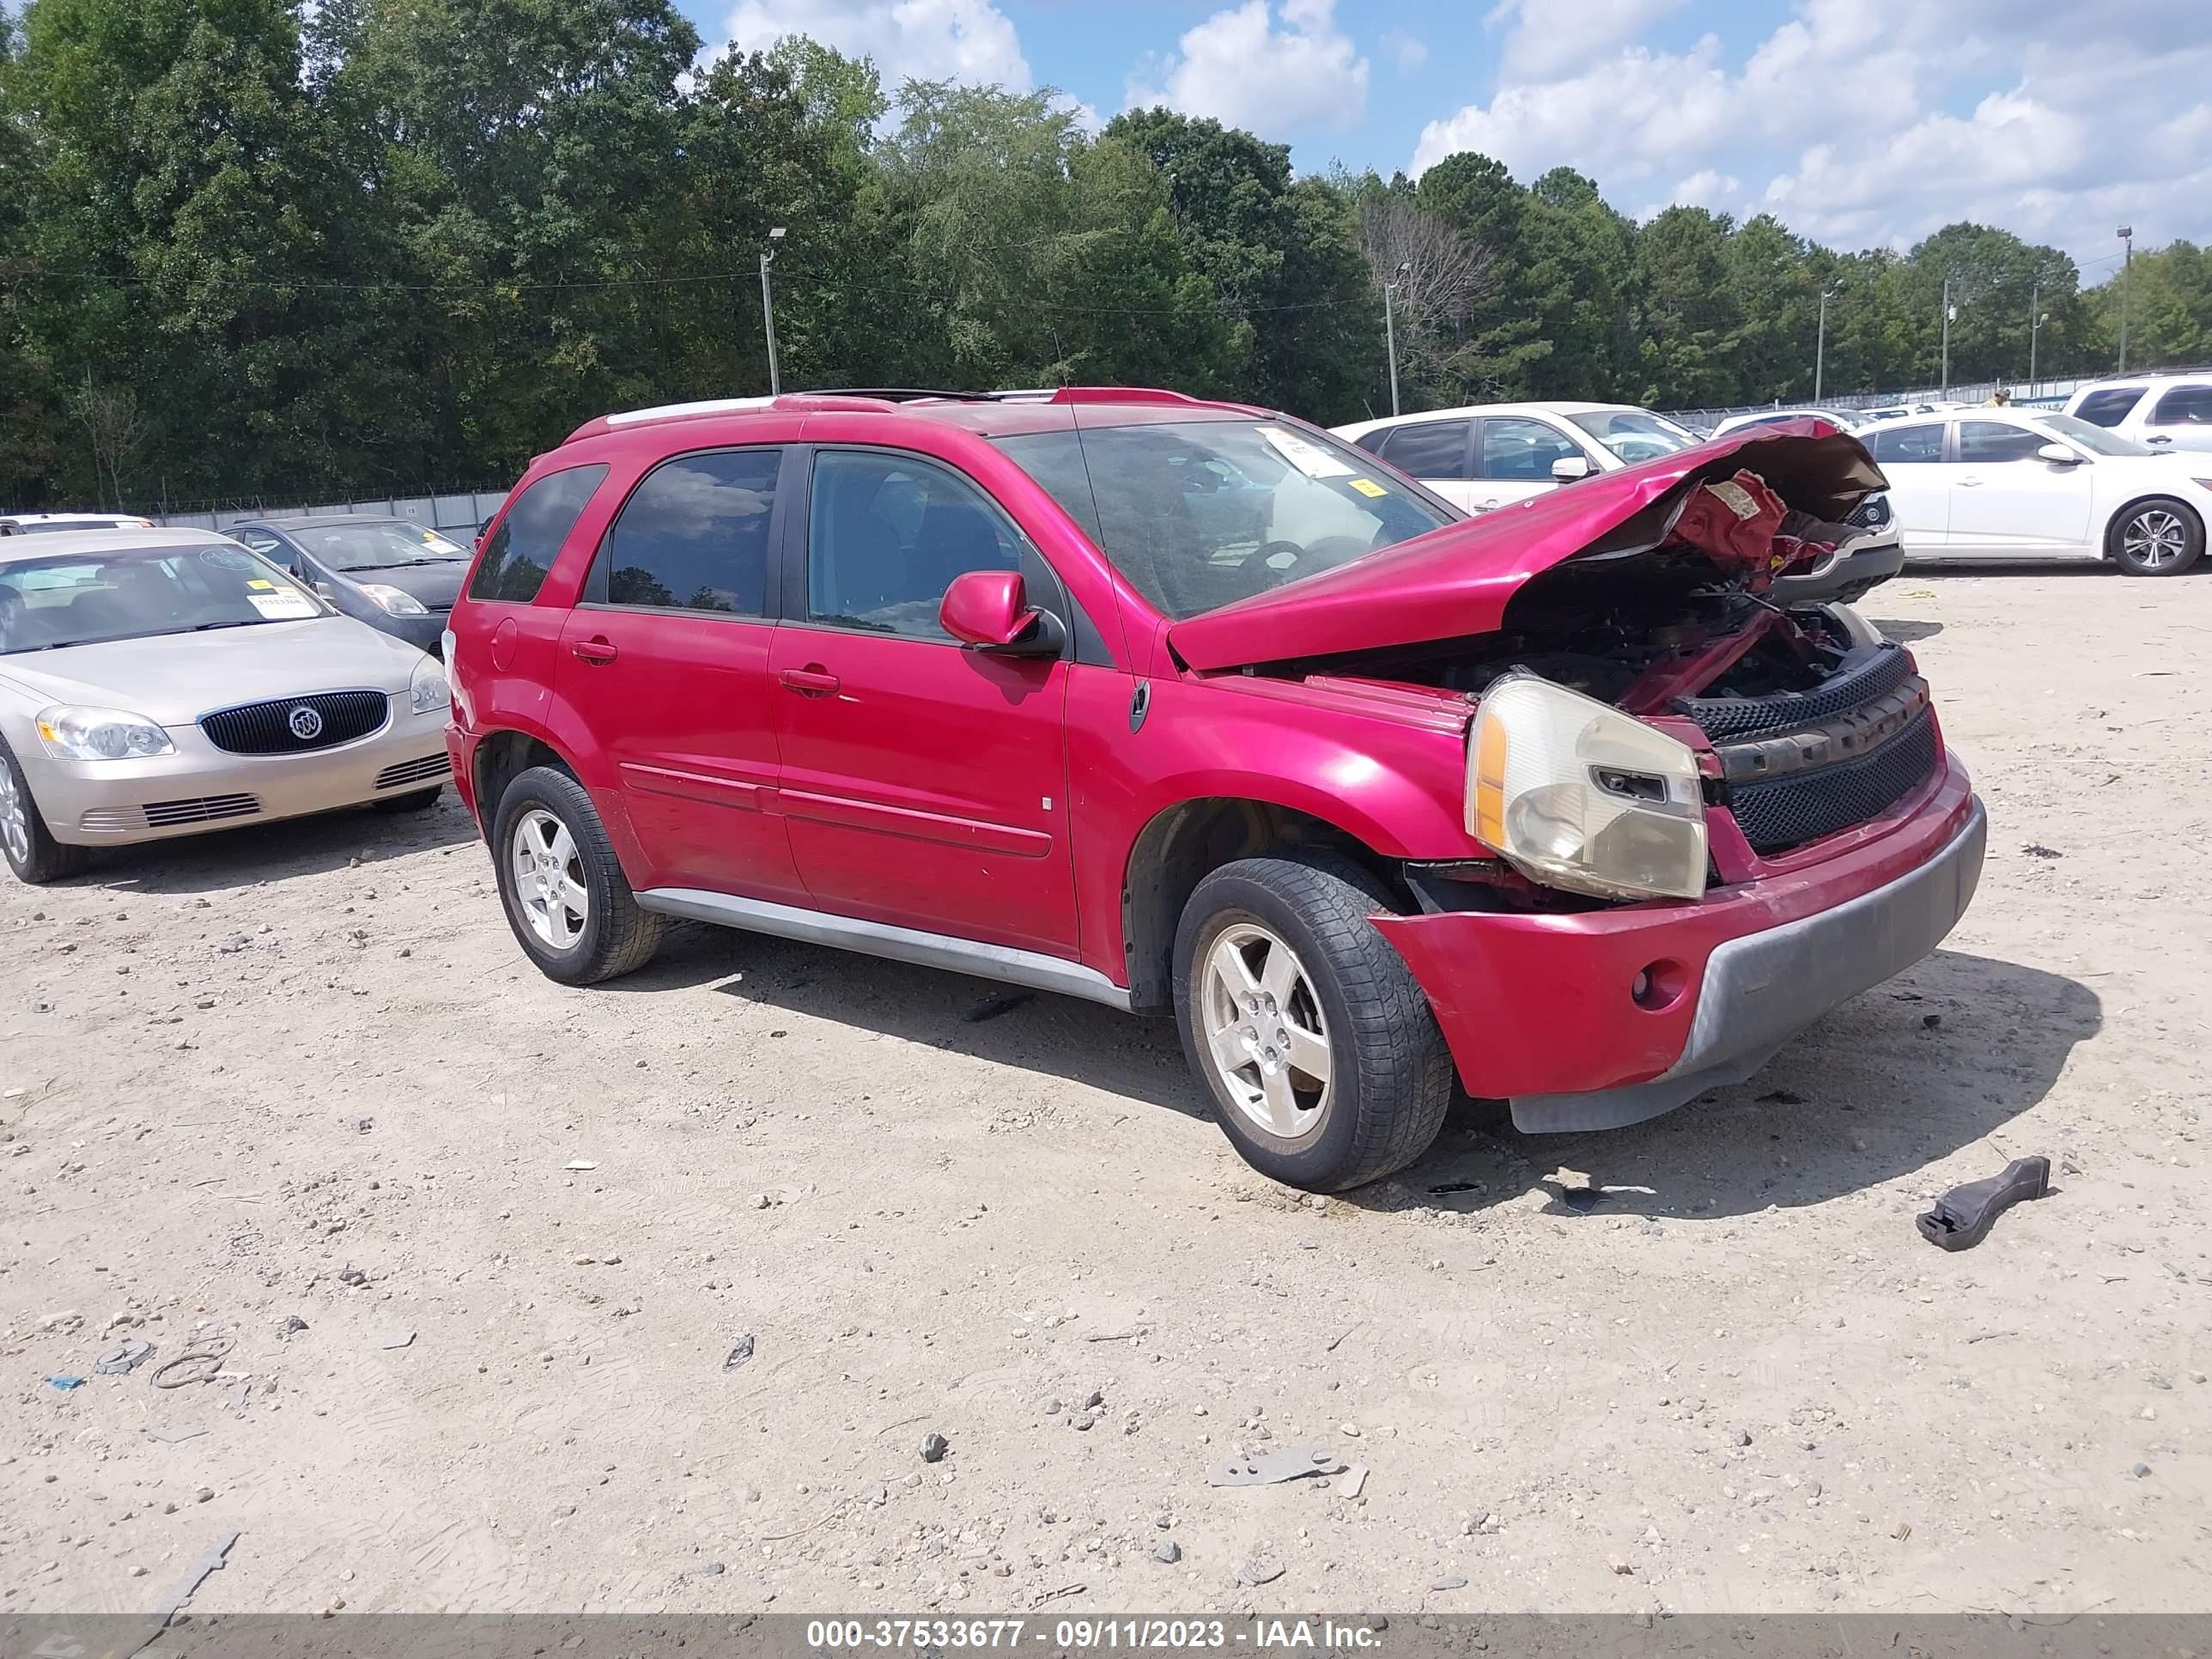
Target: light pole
1946, 337
2127, 234
767, 313
1390, 327
1820, 342
2035, 321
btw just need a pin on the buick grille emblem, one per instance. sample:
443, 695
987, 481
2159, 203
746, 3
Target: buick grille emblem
307, 724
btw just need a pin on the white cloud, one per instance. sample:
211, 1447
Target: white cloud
970, 41
1244, 69
1869, 122
1545, 39
1406, 52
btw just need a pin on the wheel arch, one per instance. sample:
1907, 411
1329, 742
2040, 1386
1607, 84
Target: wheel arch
2121, 514
1185, 841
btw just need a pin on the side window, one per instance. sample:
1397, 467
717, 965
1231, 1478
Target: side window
1909, 443
1429, 449
2184, 405
529, 538
1995, 441
2110, 406
1516, 448
261, 542
886, 534
694, 536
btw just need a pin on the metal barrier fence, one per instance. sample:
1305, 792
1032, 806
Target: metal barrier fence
1961, 391
459, 511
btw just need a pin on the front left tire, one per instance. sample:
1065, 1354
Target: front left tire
32, 851
2160, 536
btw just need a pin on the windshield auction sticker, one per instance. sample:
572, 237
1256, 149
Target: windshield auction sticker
279, 607
1309, 459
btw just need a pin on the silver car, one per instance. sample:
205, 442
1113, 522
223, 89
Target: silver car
161, 683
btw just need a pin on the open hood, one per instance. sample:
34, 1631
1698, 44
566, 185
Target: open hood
1456, 581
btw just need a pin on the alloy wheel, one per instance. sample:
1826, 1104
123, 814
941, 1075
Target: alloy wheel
14, 815
2154, 538
1265, 1035
549, 879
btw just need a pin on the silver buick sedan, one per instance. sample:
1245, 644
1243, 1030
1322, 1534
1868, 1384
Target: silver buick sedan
161, 683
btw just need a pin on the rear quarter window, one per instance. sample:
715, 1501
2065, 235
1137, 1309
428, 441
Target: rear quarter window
2109, 407
521, 552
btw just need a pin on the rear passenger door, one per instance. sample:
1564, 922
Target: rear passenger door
665, 662
2181, 418
924, 786
1438, 453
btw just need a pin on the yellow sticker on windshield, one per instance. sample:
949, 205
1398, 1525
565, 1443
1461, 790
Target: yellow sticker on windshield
1367, 487
256, 582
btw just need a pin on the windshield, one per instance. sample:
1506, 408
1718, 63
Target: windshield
49, 526
1199, 514
374, 546
2092, 437
1636, 435
84, 599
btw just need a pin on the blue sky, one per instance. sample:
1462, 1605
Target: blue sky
1860, 122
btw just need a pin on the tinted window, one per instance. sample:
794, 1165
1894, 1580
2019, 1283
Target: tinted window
261, 542
1908, 443
886, 534
1514, 448
2109, 407
1993, 441
1428, 449
2184, 405
694, 536
528, 539
1199, 514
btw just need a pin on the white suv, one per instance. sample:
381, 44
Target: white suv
2166, 412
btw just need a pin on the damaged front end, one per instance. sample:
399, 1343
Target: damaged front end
1648, 723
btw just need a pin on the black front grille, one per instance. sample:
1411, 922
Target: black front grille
1806, 805
273, 728
415, 771
1871, 513
167, 814
1729, 719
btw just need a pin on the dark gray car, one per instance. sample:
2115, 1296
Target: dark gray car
397, 575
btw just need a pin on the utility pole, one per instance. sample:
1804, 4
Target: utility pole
767, 313
1390, 328
2127, 235
1947, 336
2034, 324
1820, 342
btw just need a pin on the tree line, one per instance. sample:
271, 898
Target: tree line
251, 248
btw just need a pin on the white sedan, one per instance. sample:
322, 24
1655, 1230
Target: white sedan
2008, 484
1486, 456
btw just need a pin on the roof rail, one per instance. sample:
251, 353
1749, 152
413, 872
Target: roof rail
1122, 394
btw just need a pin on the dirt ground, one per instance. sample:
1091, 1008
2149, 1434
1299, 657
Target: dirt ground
296, 1087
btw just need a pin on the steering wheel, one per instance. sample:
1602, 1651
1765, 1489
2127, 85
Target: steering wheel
1269, 550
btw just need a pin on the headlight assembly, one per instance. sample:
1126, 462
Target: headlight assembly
392, 601
426, 690
1575, 794
76, 732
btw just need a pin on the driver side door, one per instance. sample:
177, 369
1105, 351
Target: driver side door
924, 785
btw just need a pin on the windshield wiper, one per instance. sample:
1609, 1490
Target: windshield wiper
241, 621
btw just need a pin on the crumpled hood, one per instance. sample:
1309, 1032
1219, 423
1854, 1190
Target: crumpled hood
1456, 581
174, 679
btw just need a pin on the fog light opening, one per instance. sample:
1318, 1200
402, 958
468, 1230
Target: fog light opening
1658, 985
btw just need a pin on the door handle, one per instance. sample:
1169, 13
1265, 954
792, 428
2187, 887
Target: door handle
597, 649
812, 681
1969, 484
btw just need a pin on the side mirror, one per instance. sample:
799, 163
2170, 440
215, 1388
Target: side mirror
1568, 468
2058, 455
989, 610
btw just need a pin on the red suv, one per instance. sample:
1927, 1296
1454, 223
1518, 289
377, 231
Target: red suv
1186, 707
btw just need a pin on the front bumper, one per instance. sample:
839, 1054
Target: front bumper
1845, 577
1540, 1010
202, 787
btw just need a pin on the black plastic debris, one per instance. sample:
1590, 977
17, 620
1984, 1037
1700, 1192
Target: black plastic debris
1781, 1097
739, 1354
1962, 1218
992, 1006
1446, 1189
2036, 849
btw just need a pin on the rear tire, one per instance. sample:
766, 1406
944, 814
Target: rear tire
2160, 536
32, 851
1278, 977
416, 800
564, 892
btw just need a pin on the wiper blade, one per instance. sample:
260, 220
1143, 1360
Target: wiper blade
241, 621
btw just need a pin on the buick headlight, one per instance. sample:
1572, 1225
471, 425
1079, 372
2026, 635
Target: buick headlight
426, 690
392, 601
76, 732
1574, 794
